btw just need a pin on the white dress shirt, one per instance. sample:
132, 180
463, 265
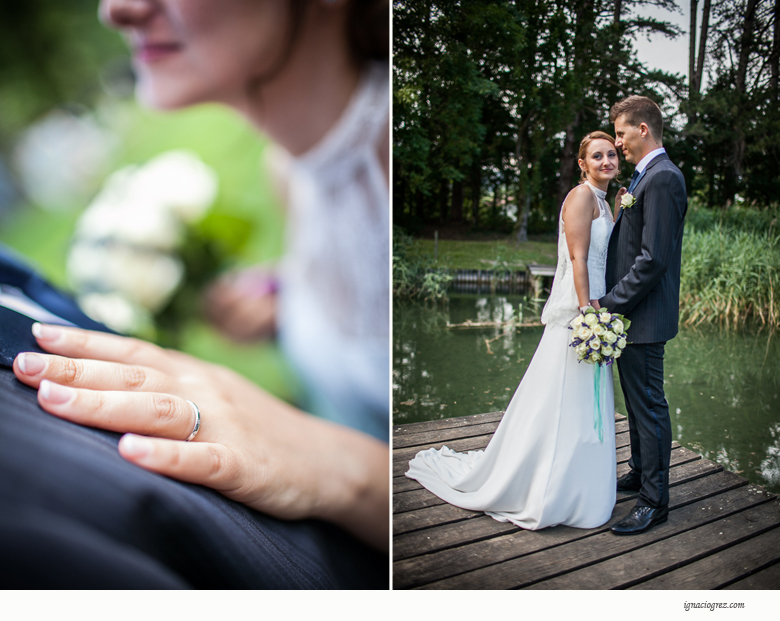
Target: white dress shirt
15, 300
648, 158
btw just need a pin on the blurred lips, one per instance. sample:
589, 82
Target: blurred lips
153, 52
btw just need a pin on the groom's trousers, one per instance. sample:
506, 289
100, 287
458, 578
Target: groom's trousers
641, 371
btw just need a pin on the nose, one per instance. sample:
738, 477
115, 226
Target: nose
125, 13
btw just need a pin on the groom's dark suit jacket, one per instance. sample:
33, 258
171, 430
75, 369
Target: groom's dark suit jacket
643, 261
74, 514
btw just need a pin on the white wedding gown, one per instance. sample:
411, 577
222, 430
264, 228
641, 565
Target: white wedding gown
545, 465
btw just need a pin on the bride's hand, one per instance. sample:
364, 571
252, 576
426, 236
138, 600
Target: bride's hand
251, 447
618, 198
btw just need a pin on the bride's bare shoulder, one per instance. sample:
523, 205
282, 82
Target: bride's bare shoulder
579, 198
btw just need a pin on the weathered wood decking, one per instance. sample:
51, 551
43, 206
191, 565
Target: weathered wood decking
722, 532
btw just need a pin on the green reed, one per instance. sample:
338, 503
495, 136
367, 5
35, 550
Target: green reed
413, 274
731, 268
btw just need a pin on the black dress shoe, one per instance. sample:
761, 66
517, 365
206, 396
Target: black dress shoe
640, 519
630, 482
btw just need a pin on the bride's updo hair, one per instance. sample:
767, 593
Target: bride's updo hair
585, 143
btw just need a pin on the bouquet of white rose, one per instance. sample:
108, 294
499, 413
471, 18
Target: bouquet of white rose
598, 337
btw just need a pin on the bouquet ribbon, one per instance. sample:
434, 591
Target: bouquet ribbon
599, 384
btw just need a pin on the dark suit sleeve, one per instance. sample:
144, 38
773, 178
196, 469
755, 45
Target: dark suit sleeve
663, 211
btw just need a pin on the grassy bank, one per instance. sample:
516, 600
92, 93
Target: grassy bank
483, 255
731, 268
419, 268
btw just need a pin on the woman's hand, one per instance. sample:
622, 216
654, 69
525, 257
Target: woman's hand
618, 199
243, 305
251, 447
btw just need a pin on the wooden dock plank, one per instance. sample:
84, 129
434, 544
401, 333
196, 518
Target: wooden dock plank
572, 558
444, 513
443, 435
421, 497
402, 456
522, 543
446, 536
721, 533
669, 554
718, 570
446, 423
764, 579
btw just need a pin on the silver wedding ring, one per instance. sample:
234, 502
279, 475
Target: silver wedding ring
197, 421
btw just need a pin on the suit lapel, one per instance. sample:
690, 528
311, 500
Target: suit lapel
15, 336
650, 164
14, 272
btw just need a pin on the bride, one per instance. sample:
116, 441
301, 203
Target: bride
546, 464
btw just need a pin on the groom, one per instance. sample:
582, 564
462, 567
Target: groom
643, 283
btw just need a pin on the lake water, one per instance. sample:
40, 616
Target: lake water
723, 386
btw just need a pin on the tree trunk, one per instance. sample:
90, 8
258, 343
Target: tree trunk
705, 24
476, 193
774, 63
746, 45
692, 54
444, 199
734, 171
419, 206
456, 213
522, 232
399, 201
568, 164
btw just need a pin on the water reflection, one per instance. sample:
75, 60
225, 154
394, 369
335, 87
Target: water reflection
723, 386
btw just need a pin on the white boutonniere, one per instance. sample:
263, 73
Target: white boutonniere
627, 201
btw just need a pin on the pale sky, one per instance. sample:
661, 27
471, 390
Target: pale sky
662, 53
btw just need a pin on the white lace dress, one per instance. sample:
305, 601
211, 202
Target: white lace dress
545, 465
334, 304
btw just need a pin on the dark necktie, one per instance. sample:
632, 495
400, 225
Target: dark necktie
634, 179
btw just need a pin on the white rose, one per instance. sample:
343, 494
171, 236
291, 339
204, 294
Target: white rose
114, 310
617, 354
599, 330
581, 349
180, 181
607, 350
594, 357
591, 319
627, 200
621, 343
595, 343
576, 322
610, 337
584, 333
617, 326
148, 279
605, 317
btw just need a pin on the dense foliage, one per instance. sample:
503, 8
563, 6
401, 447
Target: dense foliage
491, 98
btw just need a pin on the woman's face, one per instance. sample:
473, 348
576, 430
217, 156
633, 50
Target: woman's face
192, 51
601, 161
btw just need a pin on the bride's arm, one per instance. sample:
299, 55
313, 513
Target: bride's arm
251, 447
577, 219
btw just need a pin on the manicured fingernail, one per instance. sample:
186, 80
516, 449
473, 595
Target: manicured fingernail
46, 332
31, 364
134, 446
54, 393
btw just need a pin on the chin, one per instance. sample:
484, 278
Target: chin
164, 96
